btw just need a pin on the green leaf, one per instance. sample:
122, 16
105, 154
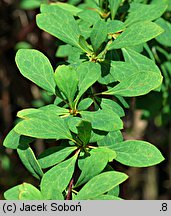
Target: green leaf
90, 4
45, 125
91, 166
58, 177
31, 4
169, 5
111, 154
137, 33
84, 45
60, 24
97, 135
70, 8
54, 155
72, 122
13, 140
85, 28
114, 26
149, 51
85, 104
122, 101
137, 84
100, 184
53, 194
67, 81
137, 153
27, 113
141, 62
23, 191
53, 8
29, 160
22, 45
135, 62
114, 5
111, 139
122, 70
105, 77
75, 56
89, 16
31, 112
54, 109
94, 164
74, 2
36, 67
84, 132
106, 197
145, 12
105, 120
98, 34
165, 37
63, 50
88, 74
115, 107
115, 191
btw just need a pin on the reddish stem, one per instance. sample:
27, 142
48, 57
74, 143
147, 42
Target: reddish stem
69, 195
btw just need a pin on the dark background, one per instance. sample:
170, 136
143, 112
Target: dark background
16, 92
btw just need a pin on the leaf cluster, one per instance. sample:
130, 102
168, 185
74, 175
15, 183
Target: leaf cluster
104, 65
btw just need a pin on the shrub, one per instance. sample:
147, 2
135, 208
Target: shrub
104, 65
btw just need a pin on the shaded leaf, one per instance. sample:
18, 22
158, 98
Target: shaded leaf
29, 160
165, 37
114, 5
84, 131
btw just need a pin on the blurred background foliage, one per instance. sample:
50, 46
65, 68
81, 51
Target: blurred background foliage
149, 117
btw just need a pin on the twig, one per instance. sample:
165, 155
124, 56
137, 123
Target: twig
68, 197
